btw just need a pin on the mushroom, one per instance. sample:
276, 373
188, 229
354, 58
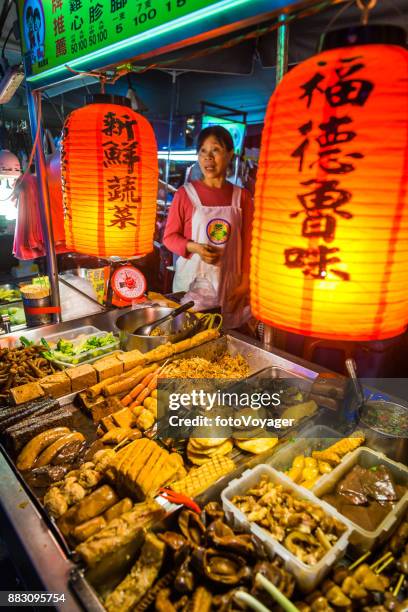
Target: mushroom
191, 527
224, 537
222, 567
336, 597
184, 582
174, 540
374, 582
321, 605
214, 511
277, 574
352, 588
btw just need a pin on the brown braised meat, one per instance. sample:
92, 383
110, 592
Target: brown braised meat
18, 435
45, 476
16, 414
119, 532
140, 578
69, 453
362, 484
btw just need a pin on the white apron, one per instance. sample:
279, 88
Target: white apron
218, 226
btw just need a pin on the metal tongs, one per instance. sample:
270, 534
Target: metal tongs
179, 499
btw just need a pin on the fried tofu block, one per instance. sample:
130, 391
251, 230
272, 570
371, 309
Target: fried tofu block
123, 418
81, 377
131, 359
26, 393
107, 368
56, 385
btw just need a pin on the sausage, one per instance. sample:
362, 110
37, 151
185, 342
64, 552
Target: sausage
91, 506
89, 528
49, 453
30, 452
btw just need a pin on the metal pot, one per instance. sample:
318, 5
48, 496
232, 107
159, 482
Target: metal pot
395, 447
180, 328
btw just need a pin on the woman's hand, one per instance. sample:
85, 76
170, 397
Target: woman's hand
209, 254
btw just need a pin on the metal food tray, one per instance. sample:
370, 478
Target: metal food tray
65, 575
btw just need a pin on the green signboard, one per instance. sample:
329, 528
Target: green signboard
58, 32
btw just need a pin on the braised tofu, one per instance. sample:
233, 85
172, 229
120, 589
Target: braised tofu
26, 393
131, 359
108, 367
81, 377
56, 385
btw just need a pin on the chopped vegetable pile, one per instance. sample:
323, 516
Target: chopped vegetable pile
81, 349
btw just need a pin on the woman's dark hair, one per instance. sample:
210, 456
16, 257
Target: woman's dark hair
37, 16
221, 134
29, 13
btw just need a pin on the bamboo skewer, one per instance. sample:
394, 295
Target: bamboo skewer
398, 586
360, 560
380, 560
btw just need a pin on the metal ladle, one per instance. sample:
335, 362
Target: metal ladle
146, 330
352, 371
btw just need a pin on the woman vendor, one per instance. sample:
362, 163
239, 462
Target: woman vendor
209, 227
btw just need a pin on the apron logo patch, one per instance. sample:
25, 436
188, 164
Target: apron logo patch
218, 231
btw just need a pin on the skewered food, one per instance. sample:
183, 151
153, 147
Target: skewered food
22, 365
199, 479
119, 532
116, 435
301, 526
366, 496
140, 578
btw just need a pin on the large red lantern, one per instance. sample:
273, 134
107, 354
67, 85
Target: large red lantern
110, 177
330, 240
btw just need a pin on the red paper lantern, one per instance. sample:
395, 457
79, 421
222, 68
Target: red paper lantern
110, 178
330, 239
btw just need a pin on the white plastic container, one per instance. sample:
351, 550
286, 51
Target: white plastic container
361, 538
314, 438
307, 576
85, 357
